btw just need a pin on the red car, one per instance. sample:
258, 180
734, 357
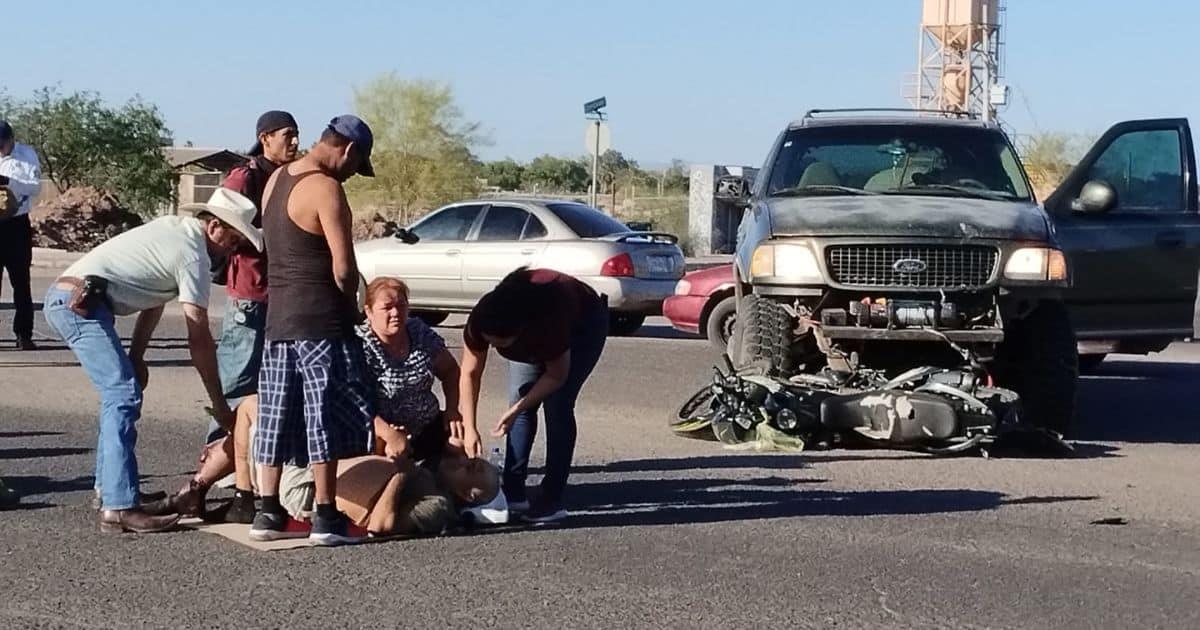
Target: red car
704, 304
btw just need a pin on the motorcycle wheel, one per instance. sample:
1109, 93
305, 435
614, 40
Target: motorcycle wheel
694, 417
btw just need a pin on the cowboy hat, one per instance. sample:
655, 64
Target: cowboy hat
231, 208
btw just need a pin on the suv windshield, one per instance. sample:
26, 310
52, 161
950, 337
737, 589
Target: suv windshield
914, 159
586, 221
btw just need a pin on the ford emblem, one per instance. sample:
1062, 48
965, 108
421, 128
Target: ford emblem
909, 266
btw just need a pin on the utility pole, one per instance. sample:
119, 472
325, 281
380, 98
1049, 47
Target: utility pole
595, 163
595, 138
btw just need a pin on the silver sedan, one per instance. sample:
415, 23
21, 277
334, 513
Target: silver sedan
461, 251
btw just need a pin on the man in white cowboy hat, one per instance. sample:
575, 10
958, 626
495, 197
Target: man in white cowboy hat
139, 272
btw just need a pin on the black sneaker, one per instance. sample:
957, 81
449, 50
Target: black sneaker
544, 513
329, 532
241, 510
268, 526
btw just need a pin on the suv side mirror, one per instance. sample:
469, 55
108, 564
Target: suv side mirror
404, 235
1096, 197
734, 190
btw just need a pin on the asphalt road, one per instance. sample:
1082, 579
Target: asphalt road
665, 532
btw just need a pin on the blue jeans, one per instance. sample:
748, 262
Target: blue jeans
96, 344
587, 344
239, 353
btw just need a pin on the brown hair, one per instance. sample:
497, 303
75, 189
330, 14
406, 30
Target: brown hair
385, 283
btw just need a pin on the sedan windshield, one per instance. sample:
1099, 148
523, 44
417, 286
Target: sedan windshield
915, 159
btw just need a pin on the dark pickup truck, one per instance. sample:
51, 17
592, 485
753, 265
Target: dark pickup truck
888, 240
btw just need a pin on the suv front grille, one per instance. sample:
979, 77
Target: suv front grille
900, 266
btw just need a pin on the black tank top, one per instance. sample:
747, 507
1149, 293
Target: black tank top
305, 303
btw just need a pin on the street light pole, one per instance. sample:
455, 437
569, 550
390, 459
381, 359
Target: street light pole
592, 111
595, 166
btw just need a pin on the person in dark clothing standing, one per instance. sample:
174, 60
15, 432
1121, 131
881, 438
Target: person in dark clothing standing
552, 329
244, 274
20, 183
314, 401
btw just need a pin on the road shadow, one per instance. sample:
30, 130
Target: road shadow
42, 452
29, 485
1135, 401
623, 503
9, 306
24, 434
706, 462
660, 331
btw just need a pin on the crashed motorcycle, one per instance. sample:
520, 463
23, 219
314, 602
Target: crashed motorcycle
941, 411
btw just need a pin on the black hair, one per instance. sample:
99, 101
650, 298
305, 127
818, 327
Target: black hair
517, 300
331, 137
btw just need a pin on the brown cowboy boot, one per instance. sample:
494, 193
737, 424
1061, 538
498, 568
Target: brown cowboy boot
135, 520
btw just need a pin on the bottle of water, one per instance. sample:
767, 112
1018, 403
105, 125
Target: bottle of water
496, 457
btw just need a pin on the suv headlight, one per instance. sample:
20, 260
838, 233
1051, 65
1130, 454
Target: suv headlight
1037, 264
793, 262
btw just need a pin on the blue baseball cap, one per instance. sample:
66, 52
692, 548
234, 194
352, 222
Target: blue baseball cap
355, 130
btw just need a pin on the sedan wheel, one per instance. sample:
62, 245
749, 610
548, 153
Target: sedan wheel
431, 318
719, 328
624, 324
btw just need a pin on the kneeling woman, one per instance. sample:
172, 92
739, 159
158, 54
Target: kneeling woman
404, 357
552, 328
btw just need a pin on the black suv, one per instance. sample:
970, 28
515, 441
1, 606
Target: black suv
894, 239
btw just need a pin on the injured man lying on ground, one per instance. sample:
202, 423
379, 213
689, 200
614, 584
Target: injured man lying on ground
385, 493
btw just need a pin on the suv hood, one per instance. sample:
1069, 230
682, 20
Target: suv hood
896, 215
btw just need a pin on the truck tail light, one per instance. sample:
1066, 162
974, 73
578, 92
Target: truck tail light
619, 266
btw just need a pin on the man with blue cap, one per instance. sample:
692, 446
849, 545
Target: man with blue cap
315, 400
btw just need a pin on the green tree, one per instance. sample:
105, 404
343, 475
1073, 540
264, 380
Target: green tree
1048, 157
677, 177
83, 142
423, 144
557, 174
506, 173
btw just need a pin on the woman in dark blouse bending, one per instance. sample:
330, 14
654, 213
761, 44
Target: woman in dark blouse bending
552, 328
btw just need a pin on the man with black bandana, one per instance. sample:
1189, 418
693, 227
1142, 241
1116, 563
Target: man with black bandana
239, 354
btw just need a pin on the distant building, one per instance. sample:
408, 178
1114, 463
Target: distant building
199, 170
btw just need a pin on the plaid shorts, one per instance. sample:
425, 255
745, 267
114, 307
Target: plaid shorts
314, 404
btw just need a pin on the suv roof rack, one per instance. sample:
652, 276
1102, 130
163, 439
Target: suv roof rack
813, 113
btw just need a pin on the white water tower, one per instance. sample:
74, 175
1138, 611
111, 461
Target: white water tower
959, 61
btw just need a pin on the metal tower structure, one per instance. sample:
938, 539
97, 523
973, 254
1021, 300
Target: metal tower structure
960, 54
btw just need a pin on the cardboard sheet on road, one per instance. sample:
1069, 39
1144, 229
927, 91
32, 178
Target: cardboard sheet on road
240, 533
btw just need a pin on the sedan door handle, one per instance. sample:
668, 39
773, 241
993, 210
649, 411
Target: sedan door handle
1169, 240
527, 252
453, 252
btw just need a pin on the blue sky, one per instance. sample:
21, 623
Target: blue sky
700, 80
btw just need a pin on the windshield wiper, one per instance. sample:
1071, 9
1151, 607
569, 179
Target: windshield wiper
820, 189
959, 191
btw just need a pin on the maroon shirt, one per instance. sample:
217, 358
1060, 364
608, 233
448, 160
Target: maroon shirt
247, 275
549, 335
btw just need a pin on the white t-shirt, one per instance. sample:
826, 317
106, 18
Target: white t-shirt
151, 265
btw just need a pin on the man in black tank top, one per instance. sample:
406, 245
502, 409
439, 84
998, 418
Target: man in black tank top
314, 399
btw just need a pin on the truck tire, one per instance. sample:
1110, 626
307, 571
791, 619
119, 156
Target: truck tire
764, 331
718, 327
624, 324
1040, 361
